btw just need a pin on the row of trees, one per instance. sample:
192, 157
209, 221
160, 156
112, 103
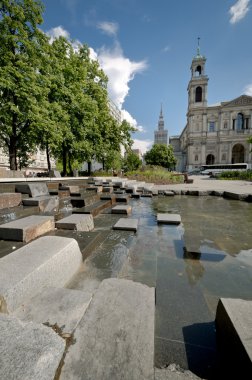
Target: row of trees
52, 96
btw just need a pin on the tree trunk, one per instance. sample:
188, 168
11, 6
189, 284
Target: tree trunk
70, 165
13, 154
89, 167
64, 161
48, 157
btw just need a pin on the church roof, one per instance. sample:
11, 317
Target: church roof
243, 100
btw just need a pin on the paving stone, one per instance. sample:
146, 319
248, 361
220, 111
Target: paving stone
126, 224
78, 222
115, 338
49, 261
10, 200
122, 209
34, 189
64, 307
26, 229
169, 218
46, 203
28, 351
234, 334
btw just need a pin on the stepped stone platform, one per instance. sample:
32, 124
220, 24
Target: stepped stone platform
77, 222
46, 203
93, 209
108, 197
26, 229
122, 198
71, 188
34, 189
126, 224
64, 307
167, 218
49, 261
28, 350
114, 339
10, 200
122, 209
234, 334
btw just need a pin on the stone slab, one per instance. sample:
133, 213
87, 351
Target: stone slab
122, 209
28, 350
26, 229
114, 339
122, 198
46, 203
107, 189
49, 261
234, 332
169, 193
73, 189
64, 307
173, 372
10, 200
77, 222
34, 189
126, 224
169, 218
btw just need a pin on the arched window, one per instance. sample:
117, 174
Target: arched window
198, 71
238, 153
198, 94
240, 122
225, 124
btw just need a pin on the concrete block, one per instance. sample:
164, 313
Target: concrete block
73, 189
169, 193
107, 189
49, 261
234, 334
122, 209
28, 350
64, 307
122, 198
126, 224
78, 222
10, 200
172, 372
115, 338
26, 229
169, 218
34, 189
46, 203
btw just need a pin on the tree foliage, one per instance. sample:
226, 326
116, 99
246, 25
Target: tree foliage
52, 96
131, 161
161, 155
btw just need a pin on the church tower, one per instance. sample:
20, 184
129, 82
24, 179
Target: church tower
161, 135
197, 87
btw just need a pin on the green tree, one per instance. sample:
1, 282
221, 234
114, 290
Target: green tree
131, 161
22, 88
161, 155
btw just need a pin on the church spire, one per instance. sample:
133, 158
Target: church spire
161, 120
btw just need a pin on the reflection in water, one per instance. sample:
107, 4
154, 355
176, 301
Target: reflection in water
194, 268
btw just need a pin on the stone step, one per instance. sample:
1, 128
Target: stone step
28, 350
26, 229
56, 306
93, 209
126, 224
115, 338
234, 335
122, 209
167, 218
10, 200
46, 203
122, 198
111, 197
84, 200
34, 189
73, 189
47, 261
77, 222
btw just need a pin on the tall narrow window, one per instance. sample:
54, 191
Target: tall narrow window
196, 157
240, 122
198, 94
211, 127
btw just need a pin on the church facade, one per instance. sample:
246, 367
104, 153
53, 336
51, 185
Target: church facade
216, 134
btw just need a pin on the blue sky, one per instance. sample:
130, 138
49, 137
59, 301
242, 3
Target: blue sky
146, 48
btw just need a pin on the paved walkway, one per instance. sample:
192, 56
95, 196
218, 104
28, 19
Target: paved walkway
205, 183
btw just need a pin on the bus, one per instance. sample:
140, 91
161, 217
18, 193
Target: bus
219, 168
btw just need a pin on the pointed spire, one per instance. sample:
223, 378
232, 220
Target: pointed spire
198, 48
161, 111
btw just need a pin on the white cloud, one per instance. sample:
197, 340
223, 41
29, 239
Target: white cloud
109, 28
248, 89
120, 71
239, 10
57, 32
166, 49
143, 145
130, 119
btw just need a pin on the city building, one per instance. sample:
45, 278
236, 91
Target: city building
161, 135
214, 134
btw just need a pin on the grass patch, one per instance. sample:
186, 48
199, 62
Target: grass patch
236, 175
156, 174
